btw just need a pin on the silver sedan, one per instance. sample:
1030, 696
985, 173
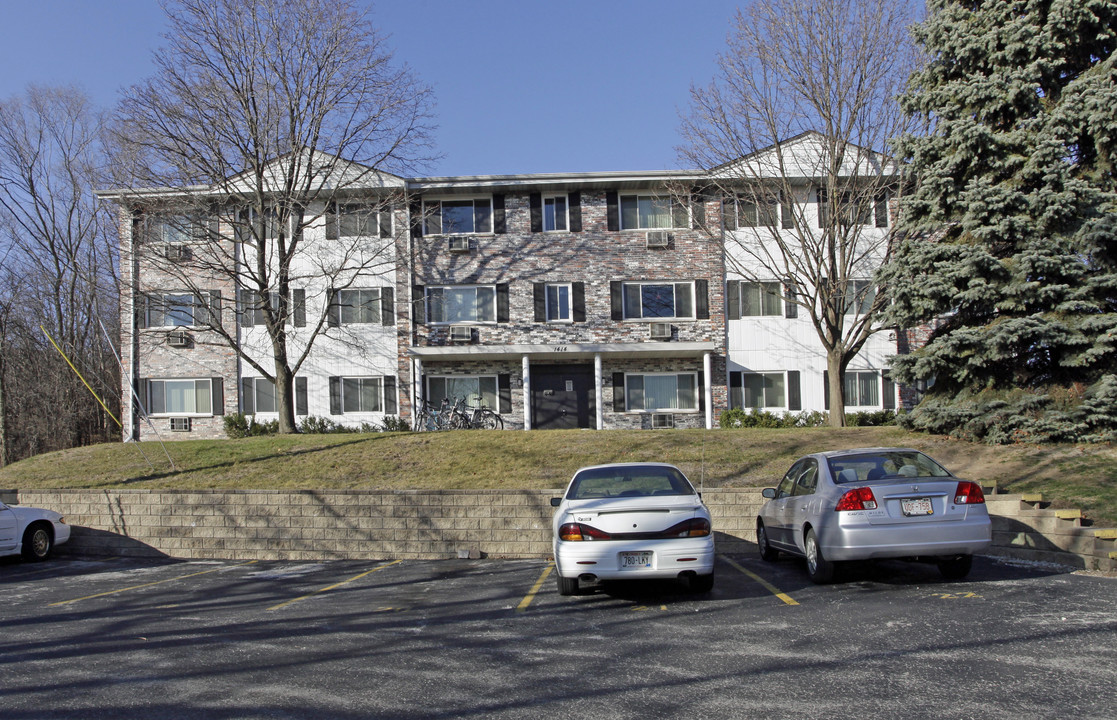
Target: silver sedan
873, 503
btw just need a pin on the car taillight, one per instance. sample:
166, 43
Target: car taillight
861, 498
968, 493
577, 532
695, 527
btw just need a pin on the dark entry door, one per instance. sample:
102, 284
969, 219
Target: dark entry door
562, 396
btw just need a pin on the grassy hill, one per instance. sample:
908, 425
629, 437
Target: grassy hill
1071, 476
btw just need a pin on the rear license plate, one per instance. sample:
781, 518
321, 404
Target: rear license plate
917, 506
636, 559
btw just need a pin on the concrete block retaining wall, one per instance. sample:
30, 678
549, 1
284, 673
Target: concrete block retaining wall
427, 524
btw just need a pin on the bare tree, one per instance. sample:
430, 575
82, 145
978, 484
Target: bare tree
262, 117
793, 132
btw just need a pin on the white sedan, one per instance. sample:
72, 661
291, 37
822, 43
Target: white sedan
632, 521
30, 531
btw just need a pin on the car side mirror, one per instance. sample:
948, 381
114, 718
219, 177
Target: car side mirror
555, 502
769, 493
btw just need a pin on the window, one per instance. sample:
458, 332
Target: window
859, 297
171, 309
247, 225
449, 217
661, 391
651, 212
357, 220
477, 390
259, 395
862, 388
761, 298
361, 394
182, 397
554, 213
459, 304
758, 210
558, 303
659, 301
852, 209
762, 390
356, 306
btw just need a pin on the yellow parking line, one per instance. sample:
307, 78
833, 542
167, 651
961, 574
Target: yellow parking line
767, 585
534, 589
157, 582
335, 585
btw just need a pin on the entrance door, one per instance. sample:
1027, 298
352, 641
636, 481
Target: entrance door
562, 397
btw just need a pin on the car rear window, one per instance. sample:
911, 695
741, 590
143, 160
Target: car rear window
874, 466
628, 482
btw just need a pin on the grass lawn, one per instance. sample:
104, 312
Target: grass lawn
1070, 476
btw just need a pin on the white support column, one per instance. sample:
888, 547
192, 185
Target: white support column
707, 364
599, 395
416, 387
527, 392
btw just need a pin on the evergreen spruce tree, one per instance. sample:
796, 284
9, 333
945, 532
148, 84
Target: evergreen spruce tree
1011, 232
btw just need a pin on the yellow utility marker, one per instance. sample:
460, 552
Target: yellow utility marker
534, 589
157, 582
767, 585
335, 585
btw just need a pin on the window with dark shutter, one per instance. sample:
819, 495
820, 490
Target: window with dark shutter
535, 204
301, 407
247, 396
733, 299
502, 314
790, 306
612, 212
504, 393
578, 302
794, 395
702, 299
335, 395
575, 200
618, 392
888, 390
390, 404
217, 395
539, 300
299, 310
616, 299
387, 306
500, 224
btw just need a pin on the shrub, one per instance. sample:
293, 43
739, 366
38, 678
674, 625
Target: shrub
239, 425
395, 424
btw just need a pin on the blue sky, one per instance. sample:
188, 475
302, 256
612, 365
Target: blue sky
522, 86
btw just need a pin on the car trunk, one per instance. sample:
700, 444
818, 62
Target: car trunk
635, 516
907, 500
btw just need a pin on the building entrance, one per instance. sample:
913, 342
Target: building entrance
562, 397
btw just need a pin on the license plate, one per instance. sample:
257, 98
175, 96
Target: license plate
636, 559
917, 506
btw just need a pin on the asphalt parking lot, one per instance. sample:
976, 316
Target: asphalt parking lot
123, 638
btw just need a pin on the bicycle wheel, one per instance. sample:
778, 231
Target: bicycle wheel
491, 421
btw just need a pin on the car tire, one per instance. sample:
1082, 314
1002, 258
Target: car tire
567, 586
819, 569
956, 568
38, 541
701, 584
767, 552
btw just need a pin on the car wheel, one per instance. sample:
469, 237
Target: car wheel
956, 568
700, 584
567, 586
37, 542
819, 568
767, 552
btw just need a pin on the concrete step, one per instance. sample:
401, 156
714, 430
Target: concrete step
1106, 533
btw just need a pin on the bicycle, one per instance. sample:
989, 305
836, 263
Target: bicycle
427, 419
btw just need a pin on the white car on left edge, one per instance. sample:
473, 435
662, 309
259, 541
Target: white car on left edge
30, 531
632, 521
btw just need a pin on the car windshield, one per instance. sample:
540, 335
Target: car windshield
628, 481
883, 464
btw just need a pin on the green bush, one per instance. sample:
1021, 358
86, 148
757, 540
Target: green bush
239, 425
738, 418
395, 424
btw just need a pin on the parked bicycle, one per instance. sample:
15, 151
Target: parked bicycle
456, 416
430, 419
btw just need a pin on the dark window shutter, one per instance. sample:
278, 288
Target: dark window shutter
702, 299
247, 396
502, 315
881, 210
612, 212
701, 391
500, 223
300, 396
142, 389
787, 213
217, 395
826, 389
387, 306
141, 310
539, 298
578, 302
332, 218
736, 389
729, 213
698, 211
333, 312
790, 307
390, 407
618, 392
733, 299
335, 396
158, 402
415, 210
299, 298
616, 299
215, 308
245, 310
887, 390
504, 393
574, 203
419, 303
385, 222
794, 396
823, 211
535, 203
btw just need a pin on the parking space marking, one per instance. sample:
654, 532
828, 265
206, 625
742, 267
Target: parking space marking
292, 601
534, 589
144, 585
767, 585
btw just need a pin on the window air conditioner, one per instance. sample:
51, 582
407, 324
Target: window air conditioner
658, 239
662, 420
178, 339
461, 333
459, 244
661, 331
176, 252
180, 424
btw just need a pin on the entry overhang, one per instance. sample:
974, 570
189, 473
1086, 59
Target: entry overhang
562, 351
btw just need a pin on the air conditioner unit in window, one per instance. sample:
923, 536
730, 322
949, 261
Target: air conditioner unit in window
662, 420
658, 238
459, 244
461, 333
661, 331
176, 252
178, 339
180, 424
